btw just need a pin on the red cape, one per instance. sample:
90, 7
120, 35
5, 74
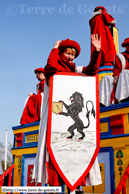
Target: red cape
99, 25
31, 112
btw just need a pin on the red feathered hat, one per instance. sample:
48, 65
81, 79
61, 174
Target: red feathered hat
125, 43
39, 70
70, 43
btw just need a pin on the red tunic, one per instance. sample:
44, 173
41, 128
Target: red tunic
31, 112
118, 65
55, 64
99, 24
117, 70
40, 86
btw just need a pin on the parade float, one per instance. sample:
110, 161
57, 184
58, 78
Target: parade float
112, 157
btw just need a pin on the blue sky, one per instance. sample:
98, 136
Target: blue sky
28, 31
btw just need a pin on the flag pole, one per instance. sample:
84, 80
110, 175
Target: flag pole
5, 164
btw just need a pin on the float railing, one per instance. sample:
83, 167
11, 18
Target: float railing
122, 184
7, 172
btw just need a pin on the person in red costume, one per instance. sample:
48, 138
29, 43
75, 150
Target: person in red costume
32, 109
116, 88
100, 23
61, 60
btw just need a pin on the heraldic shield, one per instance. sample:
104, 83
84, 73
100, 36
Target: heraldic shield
73, 137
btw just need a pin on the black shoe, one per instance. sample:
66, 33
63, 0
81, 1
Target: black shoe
102, 105
124, 100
